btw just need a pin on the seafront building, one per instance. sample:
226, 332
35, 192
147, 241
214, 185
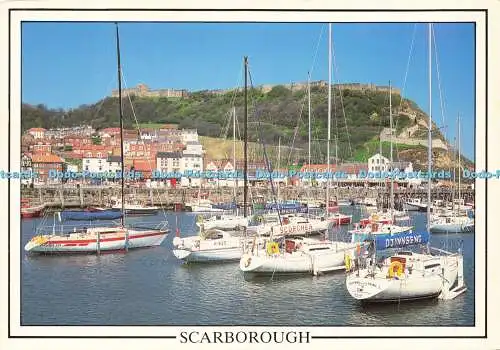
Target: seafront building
172, 157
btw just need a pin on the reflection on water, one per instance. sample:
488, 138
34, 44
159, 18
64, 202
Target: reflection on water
151, 287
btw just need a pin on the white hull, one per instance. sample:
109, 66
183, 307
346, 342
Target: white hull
224, 223
422, 282
204, 209
451, 228
213, 255
209, 246
90, 244
298, 262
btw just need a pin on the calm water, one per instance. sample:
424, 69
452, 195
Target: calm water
151, 287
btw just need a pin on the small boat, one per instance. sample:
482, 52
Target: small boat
452, 224
222, 222
31, 211
202, 206
374, 229
414, 204
209, 246
136, 208
339, 218
75, 215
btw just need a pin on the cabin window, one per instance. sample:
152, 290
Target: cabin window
431, 266
320, 248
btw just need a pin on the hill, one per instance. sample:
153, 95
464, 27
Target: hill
360, 117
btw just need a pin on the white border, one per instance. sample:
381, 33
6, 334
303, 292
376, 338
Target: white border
478, 330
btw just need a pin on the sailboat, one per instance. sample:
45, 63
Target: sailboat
382, 223
289, 254
454, 221
214, 245
100, 239
226, 221
406, 275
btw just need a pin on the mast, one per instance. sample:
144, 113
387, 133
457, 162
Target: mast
234, 153
392, 165
329, 116
429, 153
309, 113
459, 168
279, 164
245, 136
122, 157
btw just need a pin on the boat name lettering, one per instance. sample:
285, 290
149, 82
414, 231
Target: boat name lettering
299, 228
401, 241
364, 284
244, 337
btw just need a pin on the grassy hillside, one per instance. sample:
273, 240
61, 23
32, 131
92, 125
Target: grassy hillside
280, 114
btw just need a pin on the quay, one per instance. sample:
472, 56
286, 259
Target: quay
170, 198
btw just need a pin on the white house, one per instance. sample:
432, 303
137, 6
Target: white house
189, 135
194, 147
378, 163
94, 162
37, 133
193, 162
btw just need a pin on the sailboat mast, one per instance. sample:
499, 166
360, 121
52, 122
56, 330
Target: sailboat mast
392, 165
309, 113
234, 153
429, 148
459, 166
122, 157
245, 136
279, 162
329, 116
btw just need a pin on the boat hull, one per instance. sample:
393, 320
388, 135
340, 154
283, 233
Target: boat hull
392, 290
295, 263
451, 228
31, 214
212, 255
366, 287
414, 207
137, 239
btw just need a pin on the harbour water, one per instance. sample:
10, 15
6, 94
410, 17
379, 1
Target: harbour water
152, 287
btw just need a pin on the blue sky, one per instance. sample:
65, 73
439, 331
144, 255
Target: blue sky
65, 65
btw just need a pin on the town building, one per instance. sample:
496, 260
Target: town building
377, 163
26, 167
37, 133
43, 164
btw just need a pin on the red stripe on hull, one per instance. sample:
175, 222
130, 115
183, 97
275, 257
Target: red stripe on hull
88, 241
35, 214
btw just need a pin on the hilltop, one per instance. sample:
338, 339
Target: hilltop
360, 120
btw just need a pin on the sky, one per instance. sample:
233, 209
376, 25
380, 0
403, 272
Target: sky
65, 65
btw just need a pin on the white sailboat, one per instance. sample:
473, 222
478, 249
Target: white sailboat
223, 222
212, 245
406, 275
381, 224
99, 239
455, 221
300, 255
